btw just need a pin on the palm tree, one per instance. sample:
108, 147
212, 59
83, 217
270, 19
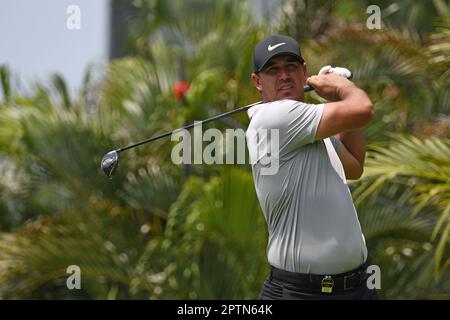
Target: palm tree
152, 232
404, 204
51, 148
403, 211
110, 229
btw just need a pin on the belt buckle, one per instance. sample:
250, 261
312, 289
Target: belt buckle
327, 284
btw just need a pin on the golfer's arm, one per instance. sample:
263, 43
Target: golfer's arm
352, 112
352, 152
345, 119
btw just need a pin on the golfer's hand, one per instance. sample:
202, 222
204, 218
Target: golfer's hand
344, 72
330, 86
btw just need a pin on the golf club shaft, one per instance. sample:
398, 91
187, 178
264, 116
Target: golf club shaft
189, 126
219, 116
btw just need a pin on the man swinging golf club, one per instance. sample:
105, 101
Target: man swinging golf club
316, 249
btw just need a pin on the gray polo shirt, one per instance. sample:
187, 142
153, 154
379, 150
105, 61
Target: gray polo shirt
312, 222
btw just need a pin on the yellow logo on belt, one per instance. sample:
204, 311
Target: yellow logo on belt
327, 284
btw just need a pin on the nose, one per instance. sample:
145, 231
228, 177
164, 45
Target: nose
284, 74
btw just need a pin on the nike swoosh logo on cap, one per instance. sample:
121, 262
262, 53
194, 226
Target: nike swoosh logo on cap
270, 48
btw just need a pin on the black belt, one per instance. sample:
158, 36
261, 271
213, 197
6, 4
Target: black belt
322, 283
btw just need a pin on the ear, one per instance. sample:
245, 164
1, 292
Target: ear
305, 69
257, 82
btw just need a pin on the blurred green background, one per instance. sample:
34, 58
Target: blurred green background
163, 231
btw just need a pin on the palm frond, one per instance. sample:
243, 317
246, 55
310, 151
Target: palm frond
39, 254
211, 227
421, 168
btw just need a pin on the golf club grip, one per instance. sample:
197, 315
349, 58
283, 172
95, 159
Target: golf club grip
307, 88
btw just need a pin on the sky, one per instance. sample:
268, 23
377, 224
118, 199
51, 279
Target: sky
36, 41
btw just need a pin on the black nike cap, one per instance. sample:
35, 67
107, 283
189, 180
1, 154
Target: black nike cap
274, 46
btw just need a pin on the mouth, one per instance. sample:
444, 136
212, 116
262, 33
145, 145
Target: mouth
285, 87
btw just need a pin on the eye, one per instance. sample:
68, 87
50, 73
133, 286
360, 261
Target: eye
272, 70
292, 66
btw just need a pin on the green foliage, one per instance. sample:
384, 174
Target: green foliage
213, 237
423, 166
155, 232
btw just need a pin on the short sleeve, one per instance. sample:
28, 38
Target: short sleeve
297, 122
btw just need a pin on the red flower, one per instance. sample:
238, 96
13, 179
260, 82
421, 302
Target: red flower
180, 88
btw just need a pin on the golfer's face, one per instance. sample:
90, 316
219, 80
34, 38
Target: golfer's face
281, 78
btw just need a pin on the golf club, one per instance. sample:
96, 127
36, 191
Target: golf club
110, 160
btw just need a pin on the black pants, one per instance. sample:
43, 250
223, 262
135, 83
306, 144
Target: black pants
280, 290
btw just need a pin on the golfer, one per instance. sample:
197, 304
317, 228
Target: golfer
316, 249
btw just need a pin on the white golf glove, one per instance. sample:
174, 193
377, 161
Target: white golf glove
344, 72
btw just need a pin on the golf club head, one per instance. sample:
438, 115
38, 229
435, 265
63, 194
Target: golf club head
109, 164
